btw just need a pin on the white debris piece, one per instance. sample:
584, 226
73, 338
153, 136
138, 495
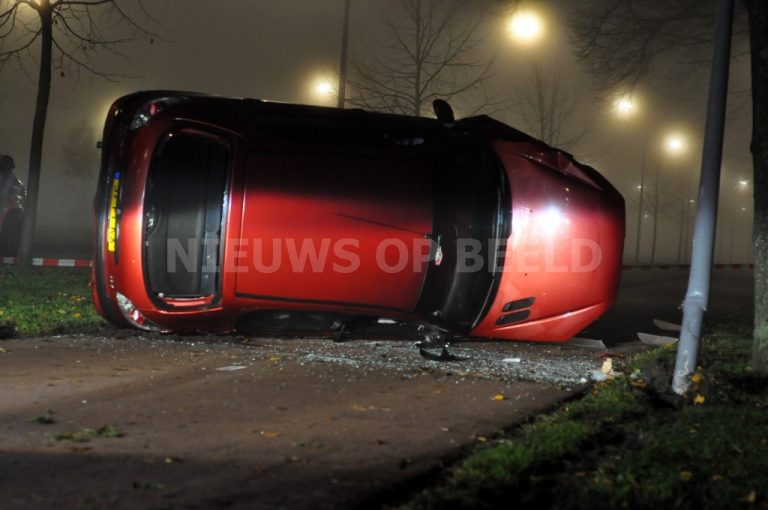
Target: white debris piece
512, 360
648, 339
231, 368
587, 343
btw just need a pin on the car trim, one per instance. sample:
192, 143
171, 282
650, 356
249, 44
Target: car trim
504, 230
284, 299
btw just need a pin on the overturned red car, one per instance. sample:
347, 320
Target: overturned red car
216, 214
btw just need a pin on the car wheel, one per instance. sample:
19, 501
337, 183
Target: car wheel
10, 234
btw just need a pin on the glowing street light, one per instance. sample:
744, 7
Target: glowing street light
324, 88
321, 89
525, 26
625, 107
674, 143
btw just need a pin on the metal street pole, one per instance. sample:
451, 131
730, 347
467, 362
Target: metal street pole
642, 193
697, 297
343, 64
640, 214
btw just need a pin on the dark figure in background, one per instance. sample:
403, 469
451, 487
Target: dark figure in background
11, 208
7, 179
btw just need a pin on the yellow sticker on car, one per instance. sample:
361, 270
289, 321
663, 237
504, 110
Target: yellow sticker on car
112, 225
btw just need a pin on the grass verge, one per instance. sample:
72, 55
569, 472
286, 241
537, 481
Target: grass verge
631, 444
47, 300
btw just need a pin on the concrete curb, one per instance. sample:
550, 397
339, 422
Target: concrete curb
51, 262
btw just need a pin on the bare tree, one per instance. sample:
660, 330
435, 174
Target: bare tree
623, 40
548, 108
431, 53
65, 35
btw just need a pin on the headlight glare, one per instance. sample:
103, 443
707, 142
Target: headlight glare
135, 317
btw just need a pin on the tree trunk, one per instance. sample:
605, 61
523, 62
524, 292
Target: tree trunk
640, 209
38, 132
758, 28
417, 84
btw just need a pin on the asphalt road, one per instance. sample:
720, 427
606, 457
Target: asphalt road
244, 423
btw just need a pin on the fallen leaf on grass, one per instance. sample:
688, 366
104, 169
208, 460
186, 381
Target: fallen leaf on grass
274, 358
686, 476
699, 399
696, 378
498, 397
750, 498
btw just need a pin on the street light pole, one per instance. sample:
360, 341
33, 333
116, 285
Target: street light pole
343, 63
642, 193
697, 297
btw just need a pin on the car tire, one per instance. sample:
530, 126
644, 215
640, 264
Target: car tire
10, 234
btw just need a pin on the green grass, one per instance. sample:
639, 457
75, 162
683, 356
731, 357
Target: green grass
628, 444
47, 300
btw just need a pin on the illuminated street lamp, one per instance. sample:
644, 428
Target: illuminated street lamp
625, 106
322, 90
674, 144
525, 26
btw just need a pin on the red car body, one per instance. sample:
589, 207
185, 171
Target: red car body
214, 213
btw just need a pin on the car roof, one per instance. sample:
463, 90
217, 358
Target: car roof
318, 124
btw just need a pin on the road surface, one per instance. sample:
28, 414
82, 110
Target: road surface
252, 423
239, 422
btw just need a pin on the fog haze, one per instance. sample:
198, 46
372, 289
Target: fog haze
273, 49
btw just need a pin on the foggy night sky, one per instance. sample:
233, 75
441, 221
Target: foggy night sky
273, 49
